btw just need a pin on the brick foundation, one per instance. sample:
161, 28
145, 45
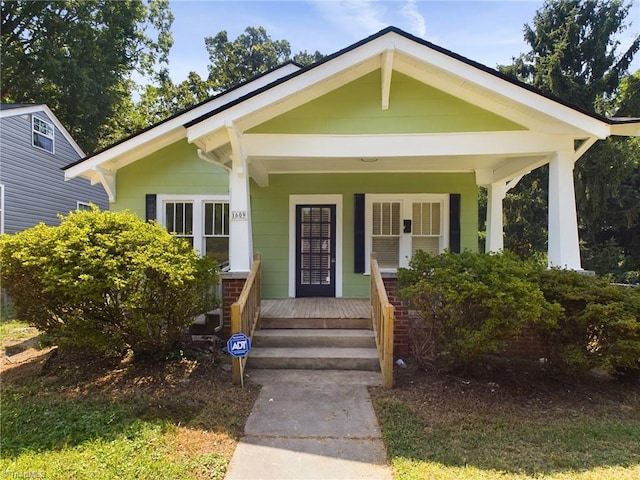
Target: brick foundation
231, 289
401, 314
528, 345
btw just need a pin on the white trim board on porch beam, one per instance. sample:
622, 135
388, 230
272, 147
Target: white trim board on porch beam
399, 145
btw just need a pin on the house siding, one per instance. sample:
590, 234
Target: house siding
414, 107
173, 170
270, 217
34, 187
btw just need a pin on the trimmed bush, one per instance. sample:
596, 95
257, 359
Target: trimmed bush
472, 304
107, 281
600, 324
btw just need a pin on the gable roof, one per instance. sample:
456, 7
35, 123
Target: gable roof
16, 109
211, 124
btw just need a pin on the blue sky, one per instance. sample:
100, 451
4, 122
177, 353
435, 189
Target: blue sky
489, 32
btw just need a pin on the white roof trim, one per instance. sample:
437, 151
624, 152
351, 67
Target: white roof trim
173, 127
391, 49
29, 109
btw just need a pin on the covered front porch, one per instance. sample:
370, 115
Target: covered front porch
314, 333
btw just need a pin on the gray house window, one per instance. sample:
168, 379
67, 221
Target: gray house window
83, 206
43, 134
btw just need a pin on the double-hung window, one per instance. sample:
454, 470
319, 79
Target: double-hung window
216, 230
399, 225
201, 220
43, 134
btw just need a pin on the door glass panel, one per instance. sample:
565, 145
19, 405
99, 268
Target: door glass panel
315, 246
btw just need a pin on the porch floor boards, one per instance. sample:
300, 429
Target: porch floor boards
316, 308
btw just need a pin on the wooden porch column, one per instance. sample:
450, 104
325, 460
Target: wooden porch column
564, 248
240, 240
495, 235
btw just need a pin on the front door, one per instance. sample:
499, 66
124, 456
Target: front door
315, 250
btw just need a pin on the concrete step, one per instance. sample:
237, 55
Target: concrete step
314, 358
316, 323
287, 338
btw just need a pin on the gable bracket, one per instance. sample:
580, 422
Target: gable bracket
583, 147
387, 70
213, 159
107, 179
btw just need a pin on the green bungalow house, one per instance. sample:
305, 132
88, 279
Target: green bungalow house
379, 147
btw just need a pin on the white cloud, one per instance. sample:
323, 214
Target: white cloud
417, 22
358, 18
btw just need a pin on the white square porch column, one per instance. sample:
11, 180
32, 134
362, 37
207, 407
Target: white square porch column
564, 246
495, 234
240, 239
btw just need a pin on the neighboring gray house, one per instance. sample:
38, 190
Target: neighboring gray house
34, 146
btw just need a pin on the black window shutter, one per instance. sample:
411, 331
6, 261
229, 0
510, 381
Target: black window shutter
150, 207
454, 222
358, 233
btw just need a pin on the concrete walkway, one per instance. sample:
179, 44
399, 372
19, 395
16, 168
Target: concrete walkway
311, 425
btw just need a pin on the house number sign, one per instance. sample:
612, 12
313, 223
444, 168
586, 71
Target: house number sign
239, 215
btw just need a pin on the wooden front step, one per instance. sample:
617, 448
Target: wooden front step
316, 323
323, 349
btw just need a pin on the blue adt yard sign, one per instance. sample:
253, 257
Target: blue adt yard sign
238, 345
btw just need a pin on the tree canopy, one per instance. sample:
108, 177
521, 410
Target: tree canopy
78, 57
574, 51
231, 62
574, 56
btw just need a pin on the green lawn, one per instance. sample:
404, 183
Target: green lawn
447, 428
73, 416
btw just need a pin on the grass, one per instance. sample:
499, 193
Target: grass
76, 416
15, 331
445, 428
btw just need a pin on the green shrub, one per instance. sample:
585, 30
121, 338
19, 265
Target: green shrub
472, 304
600, 324
106, 281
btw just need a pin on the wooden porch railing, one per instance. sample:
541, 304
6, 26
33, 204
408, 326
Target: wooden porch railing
245, 313
382, 315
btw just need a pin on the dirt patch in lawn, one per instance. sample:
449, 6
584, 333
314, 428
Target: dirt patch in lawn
511, 386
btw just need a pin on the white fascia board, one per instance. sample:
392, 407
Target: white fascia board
29, 109
517, 94
297, 90
626, 129
172, 129
399, 145
125, 153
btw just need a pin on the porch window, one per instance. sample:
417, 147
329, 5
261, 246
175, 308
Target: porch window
203, 221
216, 231
399, 225
385, 238
426, 225
179, 219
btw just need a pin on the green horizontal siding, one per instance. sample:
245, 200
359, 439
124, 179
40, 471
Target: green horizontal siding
173, 170
270, 215
414, 107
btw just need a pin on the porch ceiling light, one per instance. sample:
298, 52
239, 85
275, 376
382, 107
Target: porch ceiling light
369, 160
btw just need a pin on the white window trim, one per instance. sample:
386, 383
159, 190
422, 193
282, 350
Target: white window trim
83, 204
311, 200
198, 202
405, 238
52, 136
